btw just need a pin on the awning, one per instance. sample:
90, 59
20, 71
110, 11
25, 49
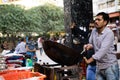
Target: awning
115, 14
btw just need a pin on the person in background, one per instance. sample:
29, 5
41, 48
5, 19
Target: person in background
5, 48
63, 40
5, 45
21, 47
91, 68
79, 38
40, 46
31, 49
102, 41
115, 37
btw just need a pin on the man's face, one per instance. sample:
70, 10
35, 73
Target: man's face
91, 26
100, 22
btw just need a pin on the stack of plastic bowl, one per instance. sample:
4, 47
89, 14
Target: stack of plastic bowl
2, 63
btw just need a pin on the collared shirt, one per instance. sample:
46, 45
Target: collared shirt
104, 48
20, 48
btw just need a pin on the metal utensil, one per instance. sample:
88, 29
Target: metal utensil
83, 51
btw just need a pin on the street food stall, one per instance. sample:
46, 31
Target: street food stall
67, 62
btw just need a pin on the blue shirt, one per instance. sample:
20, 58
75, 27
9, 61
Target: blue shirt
31, 45
103, 45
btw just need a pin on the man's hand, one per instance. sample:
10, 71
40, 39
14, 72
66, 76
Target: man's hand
88, 46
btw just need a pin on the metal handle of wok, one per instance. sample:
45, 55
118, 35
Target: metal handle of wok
83, 51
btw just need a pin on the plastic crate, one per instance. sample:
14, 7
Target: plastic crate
11, 71
21, 75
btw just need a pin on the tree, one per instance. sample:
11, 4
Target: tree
12, 19
47, 18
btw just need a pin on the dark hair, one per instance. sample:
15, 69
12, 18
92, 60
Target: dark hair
92, 21
104, 15
30, 37
27, 56
22, 39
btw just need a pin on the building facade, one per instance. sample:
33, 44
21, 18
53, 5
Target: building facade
113, 8
33, 2
110, 6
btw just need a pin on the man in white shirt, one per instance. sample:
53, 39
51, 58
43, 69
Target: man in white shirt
40, 46
20, 48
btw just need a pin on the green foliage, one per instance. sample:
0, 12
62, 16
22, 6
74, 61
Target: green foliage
12, 18
47, 18
41, 19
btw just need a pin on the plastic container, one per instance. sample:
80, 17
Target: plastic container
29, 63
2, 63
11, 71
21, 75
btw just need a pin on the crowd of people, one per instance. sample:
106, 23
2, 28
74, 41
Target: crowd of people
27, 46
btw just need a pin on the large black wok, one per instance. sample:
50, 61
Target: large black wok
61, 54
